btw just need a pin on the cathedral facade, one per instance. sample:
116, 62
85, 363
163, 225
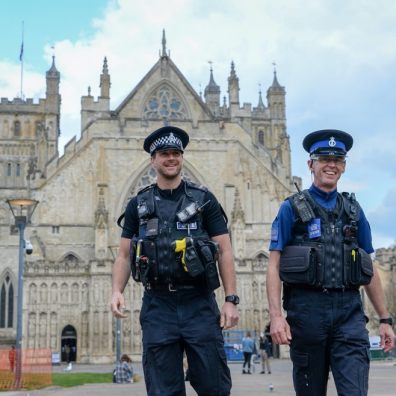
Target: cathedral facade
240, 152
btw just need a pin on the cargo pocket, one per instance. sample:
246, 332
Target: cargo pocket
358, 266
298, 265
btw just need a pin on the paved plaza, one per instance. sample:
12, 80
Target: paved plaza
382, 382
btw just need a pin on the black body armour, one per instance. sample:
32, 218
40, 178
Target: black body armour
327, 257
160, 226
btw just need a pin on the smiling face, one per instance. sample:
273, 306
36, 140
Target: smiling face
326, 171
168, 165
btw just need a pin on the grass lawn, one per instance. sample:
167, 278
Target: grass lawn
74, 379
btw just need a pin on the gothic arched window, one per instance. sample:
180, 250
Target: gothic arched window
164, 103
261, 137
6, 303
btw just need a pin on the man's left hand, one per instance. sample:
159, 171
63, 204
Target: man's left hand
387, 337
229, 315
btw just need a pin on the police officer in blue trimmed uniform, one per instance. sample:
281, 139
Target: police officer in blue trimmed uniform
320, 249
173, 233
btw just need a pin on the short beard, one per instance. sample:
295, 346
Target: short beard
170, 177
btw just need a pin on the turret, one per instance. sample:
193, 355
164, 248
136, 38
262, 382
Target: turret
105, 81
233, 87
53, 79
212, 95
91, 109
52, 92
276, 99
50, 130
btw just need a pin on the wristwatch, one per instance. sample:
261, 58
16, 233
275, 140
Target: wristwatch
388, 321
232, 299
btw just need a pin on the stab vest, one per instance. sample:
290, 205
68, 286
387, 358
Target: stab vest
159, 227
337, 241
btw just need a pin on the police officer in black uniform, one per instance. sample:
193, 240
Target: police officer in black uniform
177, 231
320, 248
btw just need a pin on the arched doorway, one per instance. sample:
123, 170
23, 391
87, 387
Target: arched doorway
69, 344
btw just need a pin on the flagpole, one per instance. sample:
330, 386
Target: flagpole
21, 60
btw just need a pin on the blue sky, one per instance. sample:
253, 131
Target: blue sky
336, 59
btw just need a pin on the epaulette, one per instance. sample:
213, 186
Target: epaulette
144, 189
196, 186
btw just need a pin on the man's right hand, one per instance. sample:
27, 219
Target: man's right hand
280, 331
118, 305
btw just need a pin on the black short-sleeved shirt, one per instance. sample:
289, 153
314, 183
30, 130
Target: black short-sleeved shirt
212, 216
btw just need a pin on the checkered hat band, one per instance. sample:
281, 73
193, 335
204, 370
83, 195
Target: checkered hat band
167, 140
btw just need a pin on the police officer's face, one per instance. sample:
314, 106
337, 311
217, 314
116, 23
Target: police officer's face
167, 163
326, 171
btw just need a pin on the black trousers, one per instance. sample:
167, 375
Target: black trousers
247, 356
177, 322
328, 330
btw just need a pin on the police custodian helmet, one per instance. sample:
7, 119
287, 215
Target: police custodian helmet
328, 142
167, 137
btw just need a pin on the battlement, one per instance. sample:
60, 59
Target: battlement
28, 105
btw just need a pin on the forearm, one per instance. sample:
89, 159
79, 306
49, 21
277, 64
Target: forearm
120, 274
227, 273
375, 294
226, 264
274, 285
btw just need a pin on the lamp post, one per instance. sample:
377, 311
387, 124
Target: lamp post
22, 210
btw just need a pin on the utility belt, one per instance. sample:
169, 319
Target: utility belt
196, 258
175, 287
305, 266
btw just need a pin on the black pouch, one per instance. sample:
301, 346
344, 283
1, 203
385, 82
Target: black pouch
208, 252
358, 266
298, 265
143, 267
193, 262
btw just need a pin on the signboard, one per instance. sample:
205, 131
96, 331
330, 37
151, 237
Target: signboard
56, 358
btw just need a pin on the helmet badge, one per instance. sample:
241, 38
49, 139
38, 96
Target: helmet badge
332, 142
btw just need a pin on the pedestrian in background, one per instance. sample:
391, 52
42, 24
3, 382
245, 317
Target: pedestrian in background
247, 349
124, 371
265, 353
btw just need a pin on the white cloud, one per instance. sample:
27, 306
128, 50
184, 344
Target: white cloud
10, 81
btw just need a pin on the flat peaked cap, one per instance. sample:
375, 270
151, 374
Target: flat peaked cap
328, 142
167, 137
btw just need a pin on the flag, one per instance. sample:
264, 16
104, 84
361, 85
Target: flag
21, 53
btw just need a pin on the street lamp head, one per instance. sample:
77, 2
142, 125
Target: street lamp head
22, 209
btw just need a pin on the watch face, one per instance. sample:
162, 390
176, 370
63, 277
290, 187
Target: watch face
232, 299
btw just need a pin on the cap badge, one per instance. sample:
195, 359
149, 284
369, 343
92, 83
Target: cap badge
332, 142
172, 138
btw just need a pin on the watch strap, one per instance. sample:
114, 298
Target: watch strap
388, 321
232, 299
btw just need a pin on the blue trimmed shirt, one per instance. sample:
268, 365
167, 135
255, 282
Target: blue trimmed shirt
282, 226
